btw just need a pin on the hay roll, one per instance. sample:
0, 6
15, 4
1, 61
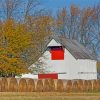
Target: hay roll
22, 87
0, 86
69, 86
85, 86
52, 84
75, 87
4, 85
89, 85
95, 86
46, 86
39, 86
60, 86
13, 85
98, 84
31, 85
80, 85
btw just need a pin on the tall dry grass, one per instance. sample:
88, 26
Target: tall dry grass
49, 96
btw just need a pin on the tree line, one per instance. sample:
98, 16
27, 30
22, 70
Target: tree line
24, 27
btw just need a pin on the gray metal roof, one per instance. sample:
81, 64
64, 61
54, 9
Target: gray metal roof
74, 47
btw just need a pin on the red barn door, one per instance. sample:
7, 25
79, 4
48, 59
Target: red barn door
51, 75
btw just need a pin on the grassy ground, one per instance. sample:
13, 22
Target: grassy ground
49, 96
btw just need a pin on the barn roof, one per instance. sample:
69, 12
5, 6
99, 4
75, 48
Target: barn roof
74, 47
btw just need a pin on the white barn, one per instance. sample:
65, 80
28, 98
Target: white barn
66, 59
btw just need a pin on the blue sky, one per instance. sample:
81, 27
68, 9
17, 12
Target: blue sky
54, 5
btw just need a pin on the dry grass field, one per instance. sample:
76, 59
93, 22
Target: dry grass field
48, 96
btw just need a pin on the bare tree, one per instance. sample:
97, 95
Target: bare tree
82, 25
18, 9
31, 4
9, 7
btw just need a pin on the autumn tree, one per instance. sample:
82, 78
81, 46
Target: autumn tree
41, 28
13, 41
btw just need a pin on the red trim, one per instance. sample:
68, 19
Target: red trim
51, 75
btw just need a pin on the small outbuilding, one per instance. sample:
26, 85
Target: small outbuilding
64, 58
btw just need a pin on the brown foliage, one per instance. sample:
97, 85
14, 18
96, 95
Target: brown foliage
74, 10
60, 86
87, 13
22, 85
4, 85
31, 85
39, 86
13, 85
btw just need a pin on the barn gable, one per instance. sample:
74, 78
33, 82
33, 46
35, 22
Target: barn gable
75, 48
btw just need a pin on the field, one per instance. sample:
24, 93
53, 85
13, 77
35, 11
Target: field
48, 96
49, 89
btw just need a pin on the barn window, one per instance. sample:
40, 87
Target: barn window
57, 53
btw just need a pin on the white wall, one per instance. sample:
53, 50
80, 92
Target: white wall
89, 69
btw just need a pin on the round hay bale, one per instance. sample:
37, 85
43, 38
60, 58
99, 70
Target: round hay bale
69, 86
95, 88
13, 85
85, 86
46, 86
22, 86
60, 86
4, 85
75, 87
98, 85
31, 85
89, 85
39, 86
80, 85
52, 84
0, 86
